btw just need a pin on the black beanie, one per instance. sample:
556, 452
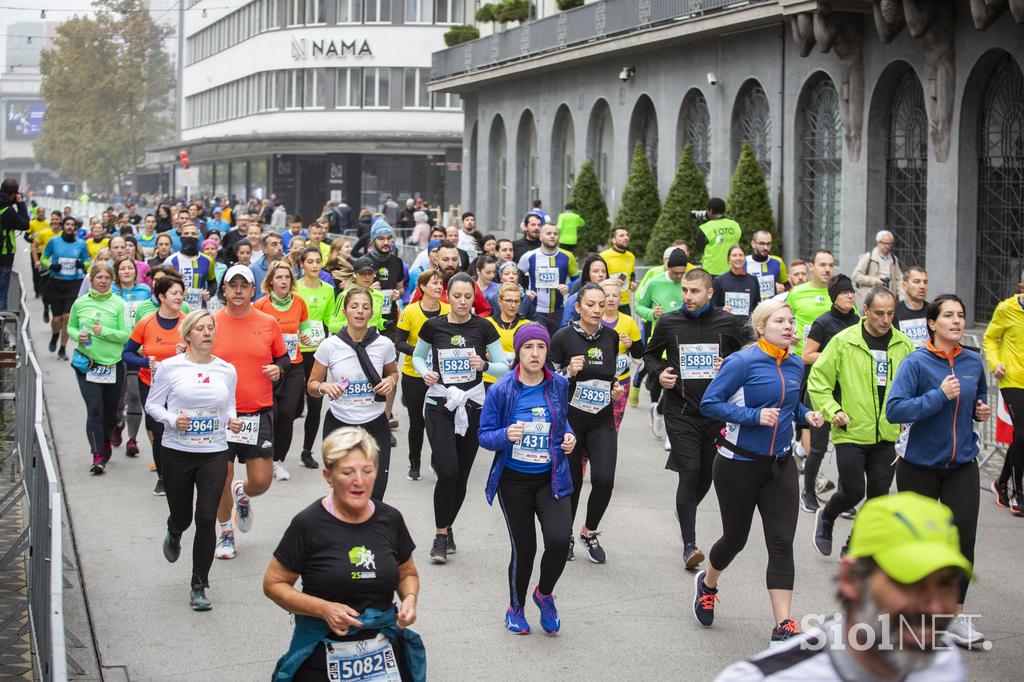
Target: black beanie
838, 285
677, 258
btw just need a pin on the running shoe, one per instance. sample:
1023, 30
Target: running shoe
46, 316
225, 545
1002, 493
198, 600
98, 464
53, 343
692, 557
450, 542
704, 599
280, 473
439, 551
963, 633
1017, 504
657, 422
107, 451
394, 441
392, 422
515, 621
822, 485
414, 472
634, 396
308, 461
594, 548
172, 547
549, 619
822, 539
131, 449
808, 501
115, 437
152, 466
784, 631
159, 489
62, 354
668, 444
572, 549
849, 513
243, 508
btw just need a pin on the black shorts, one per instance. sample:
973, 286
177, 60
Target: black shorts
692, 439
264, 447
62, 294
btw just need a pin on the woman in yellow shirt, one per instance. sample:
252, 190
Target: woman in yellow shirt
506, 320
1004, 350
629, 342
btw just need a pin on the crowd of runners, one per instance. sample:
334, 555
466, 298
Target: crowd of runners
217, 333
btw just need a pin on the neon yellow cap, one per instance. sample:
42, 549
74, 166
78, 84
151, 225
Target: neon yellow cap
908, 535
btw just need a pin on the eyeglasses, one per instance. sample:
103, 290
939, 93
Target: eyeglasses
886, 243
517, 301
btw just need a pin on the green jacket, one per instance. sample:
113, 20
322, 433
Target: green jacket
338, 320
108, 310
659, 290
847, 362
319, 305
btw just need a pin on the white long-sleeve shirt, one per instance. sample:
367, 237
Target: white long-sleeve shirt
206, 392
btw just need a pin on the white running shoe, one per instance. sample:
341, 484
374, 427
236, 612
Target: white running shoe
963, 633
225, 546
243, 508
668, 444
657, 422
280, 473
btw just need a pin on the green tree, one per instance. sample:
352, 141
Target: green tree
586, 195
462, 33
107, 84
688, 192
748, 203
640, 205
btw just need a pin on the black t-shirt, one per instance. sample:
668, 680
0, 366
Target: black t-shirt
451, 345
829, 324
879, 344
741, 292
912, 322
390, 274
599, 363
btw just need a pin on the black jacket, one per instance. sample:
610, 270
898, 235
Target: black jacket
673, 329
14, 219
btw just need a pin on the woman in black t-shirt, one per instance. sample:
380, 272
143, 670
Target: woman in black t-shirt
586, 352
456, 344
352, 554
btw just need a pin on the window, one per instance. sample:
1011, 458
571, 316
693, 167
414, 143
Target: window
695, 130
447, 100
377, 11
449, 11
377, 88
419, 11
350, 11
820, 168
294, 92
416, 89
304, 12
313, 89
752, 122
906, 174
348, 89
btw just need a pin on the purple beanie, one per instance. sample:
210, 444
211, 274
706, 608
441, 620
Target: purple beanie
529, 332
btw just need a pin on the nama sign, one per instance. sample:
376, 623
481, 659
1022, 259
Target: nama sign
303, 48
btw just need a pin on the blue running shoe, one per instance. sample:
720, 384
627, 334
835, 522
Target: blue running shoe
515, 621
549, 619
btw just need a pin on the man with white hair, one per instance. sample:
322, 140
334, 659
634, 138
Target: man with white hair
879, 267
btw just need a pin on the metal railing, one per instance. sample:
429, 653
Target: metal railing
585, 24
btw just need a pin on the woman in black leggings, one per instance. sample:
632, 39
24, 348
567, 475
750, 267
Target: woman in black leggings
1004, 350
586, 352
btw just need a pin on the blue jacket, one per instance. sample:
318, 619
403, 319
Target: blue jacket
497, 415
941, 432
759, 376
66, 256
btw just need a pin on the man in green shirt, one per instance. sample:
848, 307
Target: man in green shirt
810, 300
663, 293
569, 224
715, 237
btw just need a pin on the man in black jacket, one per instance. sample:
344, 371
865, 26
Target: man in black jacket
684, 353
13, 218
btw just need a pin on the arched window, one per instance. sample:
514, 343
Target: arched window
472, 167
601, 145
498, 149
906, 170
526, 164
643, 128
695, 130
820, 167
563, 157
752, 121
1000, 254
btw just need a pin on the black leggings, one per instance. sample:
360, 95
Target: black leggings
769, 484
819, 444
452, 456
314, 406
958, 489
378, 428
155, 427
855, 462
287, 405
693, 457
205, 472
523, 496
599, 445
413, 393
101, 402
1013, 463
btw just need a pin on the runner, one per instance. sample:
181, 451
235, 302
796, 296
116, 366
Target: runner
586, 352
621, 263
630, 345
456, 345
684, 354
548, 270
390, 278
910, 312
737, 291
196, 270
41, 264
319, 297
260, 361
769, 270
1004, 350
927, 395
133, 294
508, 273
448, 264
365, 278
595, 270
193, 398
662, 294
97, 323
361, 363
68, 260
757, 394
281, 303
524, 422
858, 365
507, 321
486, 267
162, 251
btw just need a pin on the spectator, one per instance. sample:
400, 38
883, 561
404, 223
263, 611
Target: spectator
406, 219
391, 211
13, 218
879, 267
420, 231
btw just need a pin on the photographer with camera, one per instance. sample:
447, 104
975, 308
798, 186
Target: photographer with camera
13, 218
715, 235
879, 267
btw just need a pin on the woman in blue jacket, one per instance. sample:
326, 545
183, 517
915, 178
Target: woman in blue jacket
938, 393
757, 394
525, 421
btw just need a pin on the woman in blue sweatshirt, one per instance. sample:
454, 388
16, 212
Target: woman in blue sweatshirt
757, 394
939, 392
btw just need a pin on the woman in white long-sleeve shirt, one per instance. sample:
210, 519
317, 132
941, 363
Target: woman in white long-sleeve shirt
193, 396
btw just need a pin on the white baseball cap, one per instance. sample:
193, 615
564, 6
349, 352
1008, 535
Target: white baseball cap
239, 270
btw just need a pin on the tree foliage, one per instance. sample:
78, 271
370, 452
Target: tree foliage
748, 203
688, 192
586, 195
640, 205
107, 84
462, 33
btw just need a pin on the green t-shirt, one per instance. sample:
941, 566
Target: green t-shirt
338, 319
808, 304
319, 304
660, 290
721, 234
569, 224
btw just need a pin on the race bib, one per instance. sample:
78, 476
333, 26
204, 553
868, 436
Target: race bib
592, 396
68, 266
369, 660
547, 277
386, 306
881, 358
697, 360
454, 365
214, 304
621, 365
250, 433
916, 331
315, 332
359, 392
194, 298
203, 427
766, 282
129, 311
101, 374
291, 345
533, 447
739, 301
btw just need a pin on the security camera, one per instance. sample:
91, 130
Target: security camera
626, 73
712, 79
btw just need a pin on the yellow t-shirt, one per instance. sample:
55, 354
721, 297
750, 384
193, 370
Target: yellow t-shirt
412, 320
36, 227
626, 325
42, 239
507, 336
95, 247
620, 263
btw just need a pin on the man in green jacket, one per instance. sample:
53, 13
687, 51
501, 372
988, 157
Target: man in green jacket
849, 383
716, 236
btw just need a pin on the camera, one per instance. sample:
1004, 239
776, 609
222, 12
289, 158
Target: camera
712, 79
700, 216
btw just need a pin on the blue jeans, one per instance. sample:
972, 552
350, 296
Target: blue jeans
5, 284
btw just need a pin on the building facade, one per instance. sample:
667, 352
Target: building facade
898, 114
311, 100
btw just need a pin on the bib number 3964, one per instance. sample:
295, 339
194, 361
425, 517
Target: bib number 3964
371, 660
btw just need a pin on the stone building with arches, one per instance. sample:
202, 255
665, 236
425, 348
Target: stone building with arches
898, 114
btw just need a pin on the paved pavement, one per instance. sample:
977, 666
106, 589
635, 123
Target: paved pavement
627, 619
